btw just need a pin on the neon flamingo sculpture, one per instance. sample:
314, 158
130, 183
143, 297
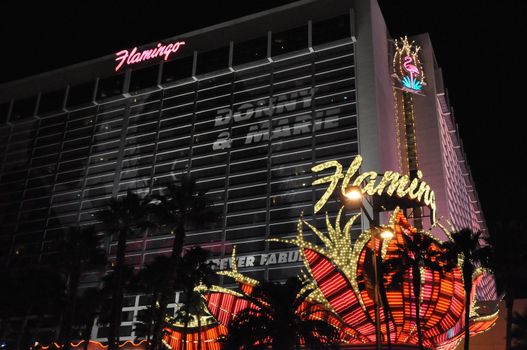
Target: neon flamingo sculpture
411, 69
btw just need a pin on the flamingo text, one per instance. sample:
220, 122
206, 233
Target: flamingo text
392, 184
135, 56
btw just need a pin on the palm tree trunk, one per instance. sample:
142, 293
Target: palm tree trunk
67, 321
152, 324
177, 249
468, 290
87, 333
467, 277
184, 345
20, 339
117, 293
199, 331
467, 320
387, 313
163, 298
416, 285
386, 306
509, 303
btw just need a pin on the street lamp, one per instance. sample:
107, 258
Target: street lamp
354, 194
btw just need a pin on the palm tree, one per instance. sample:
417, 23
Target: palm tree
88, 308
280, 319
123, 217
193, 271
80, 251
419, 250
39, 294
468, 244
105, 315
509, 255
150, 281
180, 206
382, 293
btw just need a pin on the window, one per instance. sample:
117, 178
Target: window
256, 246
143, 78
4, 110
334, 52
249, 165
203, 238
344, 149
250, 191
289, 185
282, 229
282, 273
214, 91
144, 300
177, 69
333, 75
256, 177
180, 90
249, 51
51, 102
151, 105
246, 232
80, 94
213, 60
290, 40
110, 87
213, 103
297, 157
289, 213
331, 29
332, 63
23, 108
125, 331
250, 204
258, 275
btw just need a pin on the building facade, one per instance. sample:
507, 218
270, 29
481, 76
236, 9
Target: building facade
247, 107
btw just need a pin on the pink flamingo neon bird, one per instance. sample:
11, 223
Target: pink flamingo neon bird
410, 68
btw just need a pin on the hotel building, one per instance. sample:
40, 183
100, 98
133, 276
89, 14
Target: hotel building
247, 107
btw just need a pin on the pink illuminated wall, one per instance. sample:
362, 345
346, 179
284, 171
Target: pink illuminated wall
461, 207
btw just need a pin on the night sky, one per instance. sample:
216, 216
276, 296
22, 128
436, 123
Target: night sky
478, 44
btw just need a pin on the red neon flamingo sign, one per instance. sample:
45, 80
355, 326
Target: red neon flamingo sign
134, 56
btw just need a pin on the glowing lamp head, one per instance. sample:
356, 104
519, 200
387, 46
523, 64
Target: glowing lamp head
354, 193
386, 233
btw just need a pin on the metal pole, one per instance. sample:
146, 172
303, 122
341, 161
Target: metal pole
378, 337
376, 291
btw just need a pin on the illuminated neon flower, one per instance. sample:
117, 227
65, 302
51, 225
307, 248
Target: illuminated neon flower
226, 304
338, 271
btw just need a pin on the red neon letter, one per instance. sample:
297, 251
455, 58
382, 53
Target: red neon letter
121, 58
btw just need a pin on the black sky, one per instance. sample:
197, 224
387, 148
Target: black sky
479, 45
